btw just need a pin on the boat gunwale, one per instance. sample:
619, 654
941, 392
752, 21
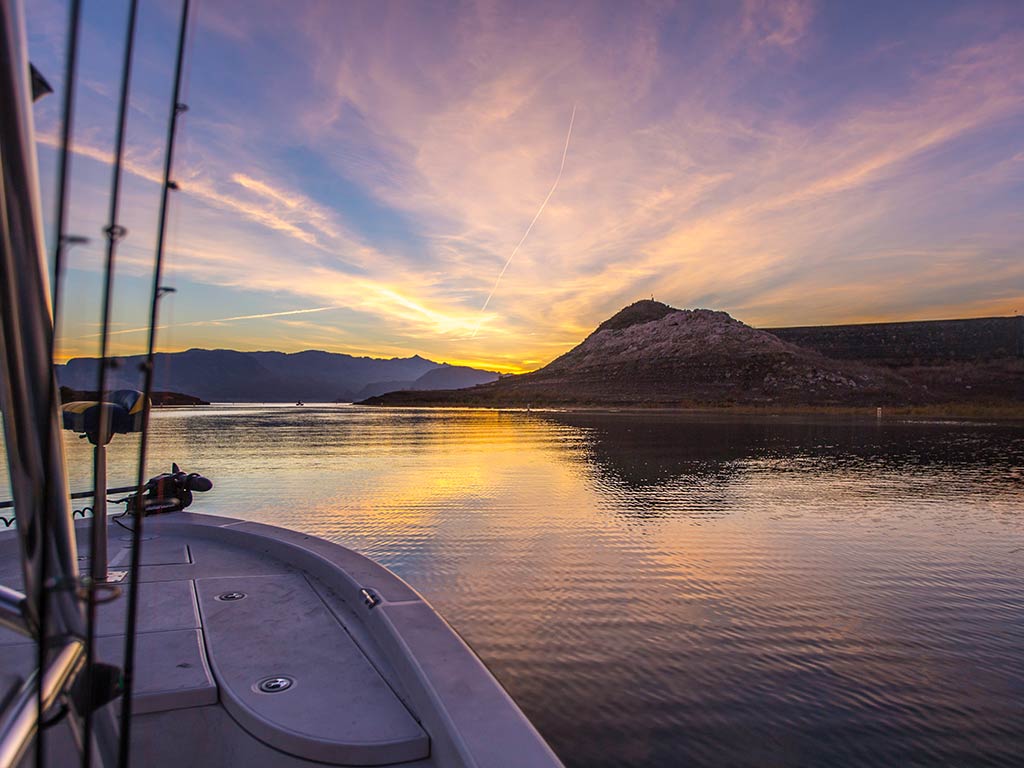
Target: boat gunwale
469, 715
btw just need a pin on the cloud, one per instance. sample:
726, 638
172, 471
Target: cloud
529, 228
776, 23
752, 156
221, 320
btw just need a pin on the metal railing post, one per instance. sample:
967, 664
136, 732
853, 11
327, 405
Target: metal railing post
98, 530
19, 722
35, 444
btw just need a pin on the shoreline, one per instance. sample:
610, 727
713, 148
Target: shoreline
1007, 412
1003, 412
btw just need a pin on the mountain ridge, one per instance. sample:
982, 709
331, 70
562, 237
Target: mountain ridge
221, 375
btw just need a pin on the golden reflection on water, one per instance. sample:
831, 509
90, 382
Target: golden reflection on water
660, 589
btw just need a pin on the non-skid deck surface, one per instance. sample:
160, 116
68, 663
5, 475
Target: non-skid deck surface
194, 650
337, 707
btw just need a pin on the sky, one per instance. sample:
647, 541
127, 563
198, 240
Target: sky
365, 177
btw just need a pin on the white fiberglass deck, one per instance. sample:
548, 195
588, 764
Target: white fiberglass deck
227, 605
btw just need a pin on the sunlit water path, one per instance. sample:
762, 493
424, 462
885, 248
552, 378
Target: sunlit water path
662, 589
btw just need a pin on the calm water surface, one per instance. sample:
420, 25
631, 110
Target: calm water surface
669, 589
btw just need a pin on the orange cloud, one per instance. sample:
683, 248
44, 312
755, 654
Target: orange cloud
817, 201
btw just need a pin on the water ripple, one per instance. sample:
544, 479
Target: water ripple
660, 589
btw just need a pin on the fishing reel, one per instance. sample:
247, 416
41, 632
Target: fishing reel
169, 492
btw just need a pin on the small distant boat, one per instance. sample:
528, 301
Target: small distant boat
299, 402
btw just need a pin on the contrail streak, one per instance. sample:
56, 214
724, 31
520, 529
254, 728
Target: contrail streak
526, 234
218, 320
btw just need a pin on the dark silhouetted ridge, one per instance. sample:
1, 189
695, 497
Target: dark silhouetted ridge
220, 375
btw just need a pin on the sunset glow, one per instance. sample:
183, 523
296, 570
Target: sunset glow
355, 176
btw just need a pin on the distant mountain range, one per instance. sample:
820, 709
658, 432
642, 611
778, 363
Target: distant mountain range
652, 354
224, 375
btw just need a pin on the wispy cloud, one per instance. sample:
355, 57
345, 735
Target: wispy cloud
217, 321
197, 185
784, 161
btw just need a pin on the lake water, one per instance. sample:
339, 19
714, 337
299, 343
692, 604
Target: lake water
665, 589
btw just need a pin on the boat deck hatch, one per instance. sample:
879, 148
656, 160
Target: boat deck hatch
292, 677
155, 551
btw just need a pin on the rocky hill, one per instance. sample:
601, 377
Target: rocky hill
980, 360
914, 342
653, 354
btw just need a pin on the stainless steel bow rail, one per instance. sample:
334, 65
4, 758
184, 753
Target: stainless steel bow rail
53, 617
82, 494
12, 611
67, 685
161, 493
20, 721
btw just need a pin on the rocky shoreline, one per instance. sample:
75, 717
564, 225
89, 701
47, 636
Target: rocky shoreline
160, 399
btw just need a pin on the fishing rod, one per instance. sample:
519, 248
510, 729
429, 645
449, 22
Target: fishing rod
98, 528
61, 242
176, 110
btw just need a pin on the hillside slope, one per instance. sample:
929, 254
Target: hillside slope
443, 377
652, 354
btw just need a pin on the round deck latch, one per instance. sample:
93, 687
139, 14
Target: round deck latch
228, 597
274, 684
